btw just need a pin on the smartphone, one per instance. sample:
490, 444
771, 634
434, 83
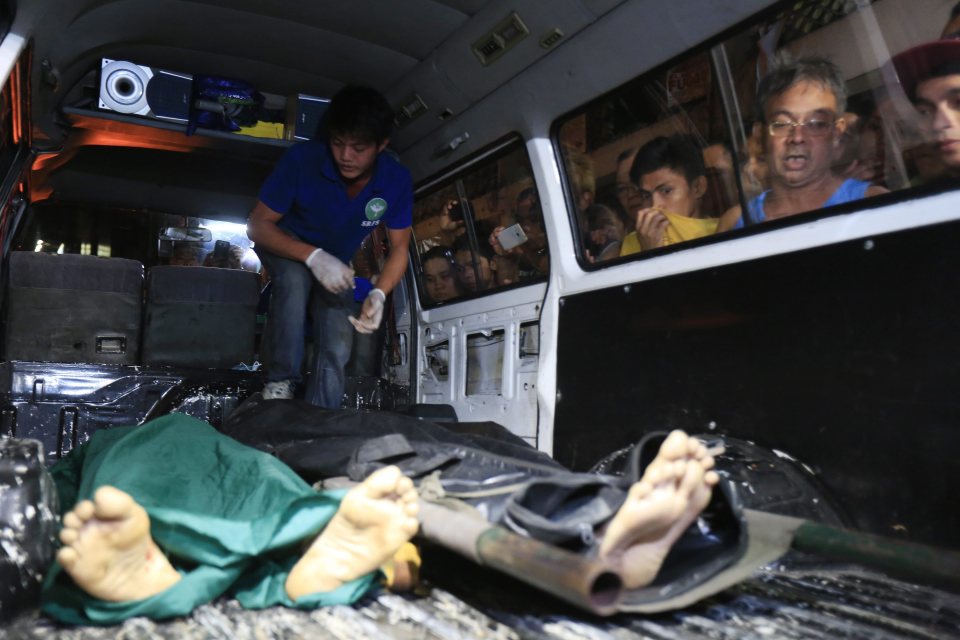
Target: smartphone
512, 236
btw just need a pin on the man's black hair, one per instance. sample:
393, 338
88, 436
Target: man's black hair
359, 112
786, 74
678, 152
437, 253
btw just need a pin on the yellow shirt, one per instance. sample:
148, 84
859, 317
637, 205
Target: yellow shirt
679, 229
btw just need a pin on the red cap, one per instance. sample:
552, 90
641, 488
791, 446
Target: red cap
916, 64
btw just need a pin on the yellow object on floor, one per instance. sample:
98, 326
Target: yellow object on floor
402, 572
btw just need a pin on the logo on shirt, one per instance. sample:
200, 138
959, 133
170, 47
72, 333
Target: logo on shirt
375, 209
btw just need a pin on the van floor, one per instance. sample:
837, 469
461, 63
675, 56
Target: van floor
796, 598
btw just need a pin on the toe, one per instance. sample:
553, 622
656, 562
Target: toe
69, 536
411, 508
84, 510
404, 485
72, 521
692, 479
409, 527
383, 481
677, 470
110, 503
639, 490
655, 476
711, 478
675, 446
67, 557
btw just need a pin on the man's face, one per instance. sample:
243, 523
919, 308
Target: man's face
627, 193
354, 157
802, 156
669, 190
530, 218
938, 101
467, 274
439, 280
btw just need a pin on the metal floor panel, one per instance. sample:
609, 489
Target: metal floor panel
777, 602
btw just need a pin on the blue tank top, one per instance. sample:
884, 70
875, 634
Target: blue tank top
848, 191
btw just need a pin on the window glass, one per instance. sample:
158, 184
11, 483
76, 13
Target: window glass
64, 228
826, 117
799, 111
676, 116
480, 231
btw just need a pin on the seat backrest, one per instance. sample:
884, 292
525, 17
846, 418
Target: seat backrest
73, 308
201, 317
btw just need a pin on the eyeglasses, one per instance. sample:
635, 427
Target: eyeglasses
627, 189
816, 127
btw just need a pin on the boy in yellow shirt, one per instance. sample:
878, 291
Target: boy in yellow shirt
672, 179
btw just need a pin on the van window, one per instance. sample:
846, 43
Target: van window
137, 235
800, 111
481, 230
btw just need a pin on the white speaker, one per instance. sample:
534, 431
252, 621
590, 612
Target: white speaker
133, 89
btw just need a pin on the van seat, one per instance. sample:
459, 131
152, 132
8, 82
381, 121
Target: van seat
202, 317
73, 308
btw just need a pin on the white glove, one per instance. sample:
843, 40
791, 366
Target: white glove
371, 313
330, 272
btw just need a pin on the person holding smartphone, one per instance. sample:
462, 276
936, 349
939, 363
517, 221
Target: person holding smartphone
526, 239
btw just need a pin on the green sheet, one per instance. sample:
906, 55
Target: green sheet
231, 519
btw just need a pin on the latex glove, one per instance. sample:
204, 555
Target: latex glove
371, 313
330, 272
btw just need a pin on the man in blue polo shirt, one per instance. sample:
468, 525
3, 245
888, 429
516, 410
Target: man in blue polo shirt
320, 202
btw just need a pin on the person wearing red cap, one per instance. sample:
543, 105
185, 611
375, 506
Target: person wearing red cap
930, 76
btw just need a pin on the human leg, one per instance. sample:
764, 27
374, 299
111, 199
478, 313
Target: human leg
332, 345
226, 528
226, 515
110, 554
291, 286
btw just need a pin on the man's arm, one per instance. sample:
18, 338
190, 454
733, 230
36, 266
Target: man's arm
329, 271
397, 258
262, 229
729, 219
372, 310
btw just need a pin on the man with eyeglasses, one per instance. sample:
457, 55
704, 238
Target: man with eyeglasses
800, 106
930, 76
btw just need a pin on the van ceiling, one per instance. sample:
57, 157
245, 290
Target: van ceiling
287, 47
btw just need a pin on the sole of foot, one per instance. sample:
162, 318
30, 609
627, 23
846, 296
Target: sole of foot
374, 520
108, 550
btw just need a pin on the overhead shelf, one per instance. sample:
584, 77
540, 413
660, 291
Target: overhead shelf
119, 128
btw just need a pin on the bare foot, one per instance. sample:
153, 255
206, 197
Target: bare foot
108, 549
372, 523
674, 489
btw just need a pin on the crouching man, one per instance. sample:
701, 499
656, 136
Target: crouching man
322, 199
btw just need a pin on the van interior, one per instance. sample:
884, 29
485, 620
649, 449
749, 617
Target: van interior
135, 136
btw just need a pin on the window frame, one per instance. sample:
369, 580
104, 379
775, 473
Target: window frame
713, 47
453, 175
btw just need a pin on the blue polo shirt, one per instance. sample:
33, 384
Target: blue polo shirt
306, 188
